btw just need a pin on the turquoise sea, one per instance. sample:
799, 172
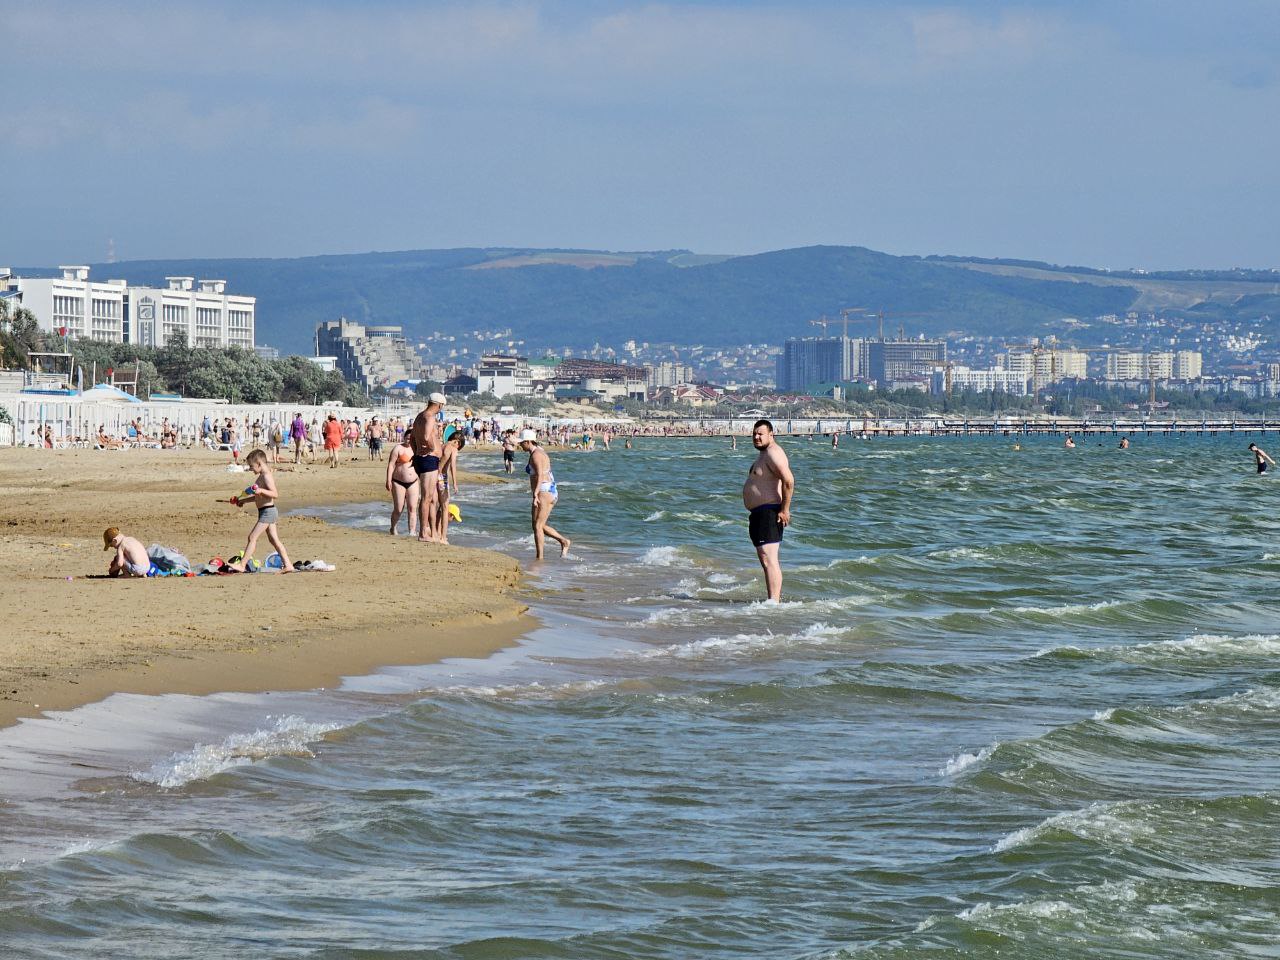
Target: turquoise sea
1016, 703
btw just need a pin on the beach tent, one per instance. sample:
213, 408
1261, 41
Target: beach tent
104, 391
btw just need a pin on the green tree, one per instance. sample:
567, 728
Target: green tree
20, 336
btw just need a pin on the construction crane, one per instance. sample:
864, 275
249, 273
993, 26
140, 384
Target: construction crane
845, 314
881, 314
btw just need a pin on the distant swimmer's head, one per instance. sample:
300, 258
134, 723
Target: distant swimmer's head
528, 439
762, 434
109, 538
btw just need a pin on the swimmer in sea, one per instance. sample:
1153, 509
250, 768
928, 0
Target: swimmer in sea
402, 484
1071, 443
1260, 457
767, 497
542, 484
1124, 443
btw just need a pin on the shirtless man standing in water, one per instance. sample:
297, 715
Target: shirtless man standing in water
767, 496
424, 439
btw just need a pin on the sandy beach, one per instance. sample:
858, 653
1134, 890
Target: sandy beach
73, 636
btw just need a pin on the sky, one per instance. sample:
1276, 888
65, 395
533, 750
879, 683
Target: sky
1129, 133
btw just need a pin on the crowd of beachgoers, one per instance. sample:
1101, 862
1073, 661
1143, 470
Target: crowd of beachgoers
234, 435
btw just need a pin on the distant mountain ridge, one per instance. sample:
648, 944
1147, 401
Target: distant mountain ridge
566, 297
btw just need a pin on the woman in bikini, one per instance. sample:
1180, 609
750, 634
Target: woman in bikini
402, 483
542, 484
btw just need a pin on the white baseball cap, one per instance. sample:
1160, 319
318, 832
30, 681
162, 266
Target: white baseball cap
528, 435
436, 398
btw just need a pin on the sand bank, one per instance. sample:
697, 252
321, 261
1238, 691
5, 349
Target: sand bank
72, 637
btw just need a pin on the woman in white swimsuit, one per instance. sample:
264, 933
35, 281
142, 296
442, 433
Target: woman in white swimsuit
542, 485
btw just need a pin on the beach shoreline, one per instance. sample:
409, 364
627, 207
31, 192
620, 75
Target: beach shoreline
75, 637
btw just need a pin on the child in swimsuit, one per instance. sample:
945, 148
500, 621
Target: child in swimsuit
264, 498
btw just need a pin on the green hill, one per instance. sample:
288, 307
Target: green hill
578, 297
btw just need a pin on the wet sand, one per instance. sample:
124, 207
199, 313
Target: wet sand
73, 636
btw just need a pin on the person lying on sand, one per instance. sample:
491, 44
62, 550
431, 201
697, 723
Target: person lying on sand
131, 558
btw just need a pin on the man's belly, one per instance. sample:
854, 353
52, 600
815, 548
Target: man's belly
758, 494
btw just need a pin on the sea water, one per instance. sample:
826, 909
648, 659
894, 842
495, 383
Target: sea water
1015, 702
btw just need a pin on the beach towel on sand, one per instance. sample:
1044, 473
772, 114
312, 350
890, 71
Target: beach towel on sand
167, 560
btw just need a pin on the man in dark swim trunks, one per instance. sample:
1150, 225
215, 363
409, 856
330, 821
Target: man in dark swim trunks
424, 439
1260, 457
767, 497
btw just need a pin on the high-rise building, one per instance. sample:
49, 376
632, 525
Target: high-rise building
892, 361
669, 374
371, 356
1188, 365
811, 360
1045, 365
1160, 364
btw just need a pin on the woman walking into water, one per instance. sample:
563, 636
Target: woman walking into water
542, 484
402, 484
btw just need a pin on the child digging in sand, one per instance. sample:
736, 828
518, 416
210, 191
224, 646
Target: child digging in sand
131, 558
264, 498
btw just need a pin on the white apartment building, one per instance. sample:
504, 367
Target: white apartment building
1160, 364
1188, 365
85, 309
668, 374
504, 375
1042, 366
205, 314
982, 381
114, 311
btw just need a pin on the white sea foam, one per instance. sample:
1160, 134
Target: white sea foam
756, 609
742, 644
1252, 644
1063, 610
694, 516
961, 553
663, 557
655, 516
533, 690
1197, 647
963, 761
1255, 700
1104, 821
289, 736
1040, 909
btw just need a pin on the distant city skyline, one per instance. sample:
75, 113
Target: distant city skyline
1129, 134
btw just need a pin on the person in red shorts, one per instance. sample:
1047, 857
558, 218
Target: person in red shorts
332, 439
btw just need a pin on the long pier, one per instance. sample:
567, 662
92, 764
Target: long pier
971, 426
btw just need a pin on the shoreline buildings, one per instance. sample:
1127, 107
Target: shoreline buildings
200, 310
371, 356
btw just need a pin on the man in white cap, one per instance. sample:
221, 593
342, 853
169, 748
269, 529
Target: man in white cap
542, 484
424, 440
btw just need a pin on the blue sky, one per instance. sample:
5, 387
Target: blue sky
1126, 133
